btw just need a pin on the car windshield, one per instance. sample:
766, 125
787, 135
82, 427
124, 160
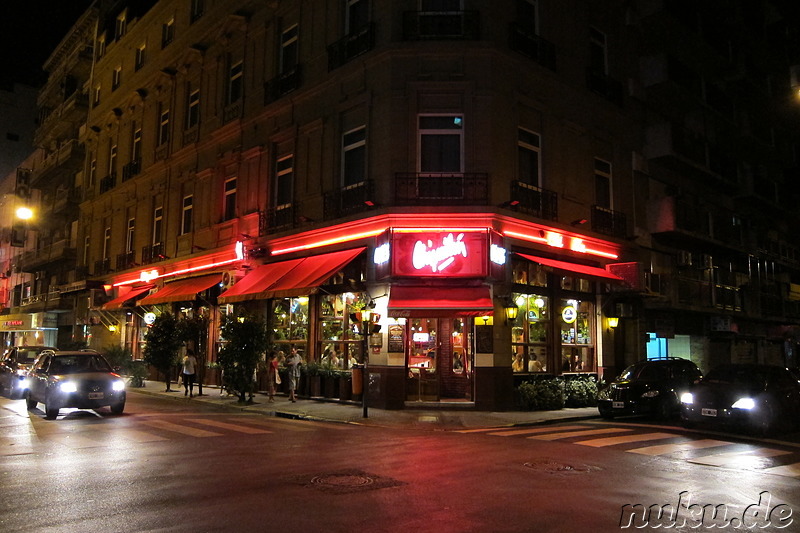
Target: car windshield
644, 371
27, 357
732, 375
74, 364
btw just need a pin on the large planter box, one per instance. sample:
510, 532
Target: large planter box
329, 387
345, 388
314, 386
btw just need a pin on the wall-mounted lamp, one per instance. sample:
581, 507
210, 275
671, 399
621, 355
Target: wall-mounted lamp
613, 321
511, 310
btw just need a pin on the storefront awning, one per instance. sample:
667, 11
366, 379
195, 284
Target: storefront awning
312, 272
255, 284
575, 268
120, 301
432, 302
181, 291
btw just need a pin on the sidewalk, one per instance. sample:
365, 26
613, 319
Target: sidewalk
440, 417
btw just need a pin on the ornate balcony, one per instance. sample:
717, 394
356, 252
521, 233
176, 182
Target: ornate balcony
131, 169
440, 25
278, 219
609, 222
429, 188
108, 182
540, 50
345, 201
153, 253
533, 200
351, 46
283, 84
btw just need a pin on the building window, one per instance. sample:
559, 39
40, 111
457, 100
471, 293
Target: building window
112, 160
163, 127
576, 325
136, 143
86, 247
528, 147
235, 73
354, 156
340, 341
96, 95
107, 241
357, 15
116, 78
129, 239
530, 335
602, 183
598, 52
289, 49
528, 15
284, 181
193, 107
92, 170
121, 25
101, 46
186, 214
141, 54
440, 143
289, 324
158, 223
167, 32
229, 199
196, 10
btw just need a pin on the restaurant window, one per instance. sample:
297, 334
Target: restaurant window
340, 341
528, 273
571, 283
289, 324
530, 335
576, 326
440, 143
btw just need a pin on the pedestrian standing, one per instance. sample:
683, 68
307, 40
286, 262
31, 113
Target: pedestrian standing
273, 376
293, 362
188, 369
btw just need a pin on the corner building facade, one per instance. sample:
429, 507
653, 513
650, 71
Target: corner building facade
466, 170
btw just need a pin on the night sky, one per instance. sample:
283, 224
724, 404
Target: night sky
30, 30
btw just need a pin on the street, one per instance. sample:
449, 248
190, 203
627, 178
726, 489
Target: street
169, 465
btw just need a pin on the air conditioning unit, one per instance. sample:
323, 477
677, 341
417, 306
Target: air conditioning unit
684, 258
228, 279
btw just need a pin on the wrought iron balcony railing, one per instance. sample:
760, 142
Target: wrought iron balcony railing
282, 84
351, 46
609, 222
439, 25
533, 200
347, 200
432, 188
540, 50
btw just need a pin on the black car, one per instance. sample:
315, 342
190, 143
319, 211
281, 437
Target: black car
760, 398
81, 379
651, 387
14, 367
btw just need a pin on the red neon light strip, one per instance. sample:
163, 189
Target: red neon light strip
440, 230
532, 238
327, 242
179, 272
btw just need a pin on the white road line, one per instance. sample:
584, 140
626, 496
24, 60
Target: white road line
177, 428
231, 427
664, 449
530, 431
625, 439
567, 434
792, 470
744, 459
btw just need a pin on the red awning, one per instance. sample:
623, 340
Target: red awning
575, 268
255, 284
432, 302
120, 301
181, 291
312, 272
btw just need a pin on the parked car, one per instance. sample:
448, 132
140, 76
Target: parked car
761, 398
14, 366
650, 387
82, 379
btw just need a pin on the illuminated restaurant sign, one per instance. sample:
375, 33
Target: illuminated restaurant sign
446, 253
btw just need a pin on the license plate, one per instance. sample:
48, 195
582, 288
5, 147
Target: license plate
618, 405
708, 412
96, 396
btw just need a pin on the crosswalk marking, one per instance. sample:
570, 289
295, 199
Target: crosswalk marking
169, 426
663, 449
626, 439
231, 427
568, 434
139, 436
741, 458
529, 431
285, 423
792, 470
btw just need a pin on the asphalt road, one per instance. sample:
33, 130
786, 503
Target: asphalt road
179, 466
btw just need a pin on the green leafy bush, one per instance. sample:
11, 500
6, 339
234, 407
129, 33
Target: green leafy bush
541, 395
581, 392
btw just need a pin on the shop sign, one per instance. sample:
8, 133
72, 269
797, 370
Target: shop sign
569, 314
438, 254
16, 323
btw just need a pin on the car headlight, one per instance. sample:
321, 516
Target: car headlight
24, 383
118, 385
650, 394
744, 403
68, 386
687, 398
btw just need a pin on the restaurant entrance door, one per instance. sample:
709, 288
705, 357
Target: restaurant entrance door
438, 360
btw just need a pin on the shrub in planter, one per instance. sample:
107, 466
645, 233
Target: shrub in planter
541, 395
581, 392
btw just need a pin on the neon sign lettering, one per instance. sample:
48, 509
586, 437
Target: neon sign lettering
426, 255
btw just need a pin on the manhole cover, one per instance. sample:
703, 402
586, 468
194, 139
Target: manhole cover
342, 480
346, 481
558, 467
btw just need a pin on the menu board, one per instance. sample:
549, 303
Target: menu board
397, 336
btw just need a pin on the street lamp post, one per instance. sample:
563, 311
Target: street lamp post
369, 325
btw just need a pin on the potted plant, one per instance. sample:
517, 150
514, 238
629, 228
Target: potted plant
313, 377
345, 385
329, 377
